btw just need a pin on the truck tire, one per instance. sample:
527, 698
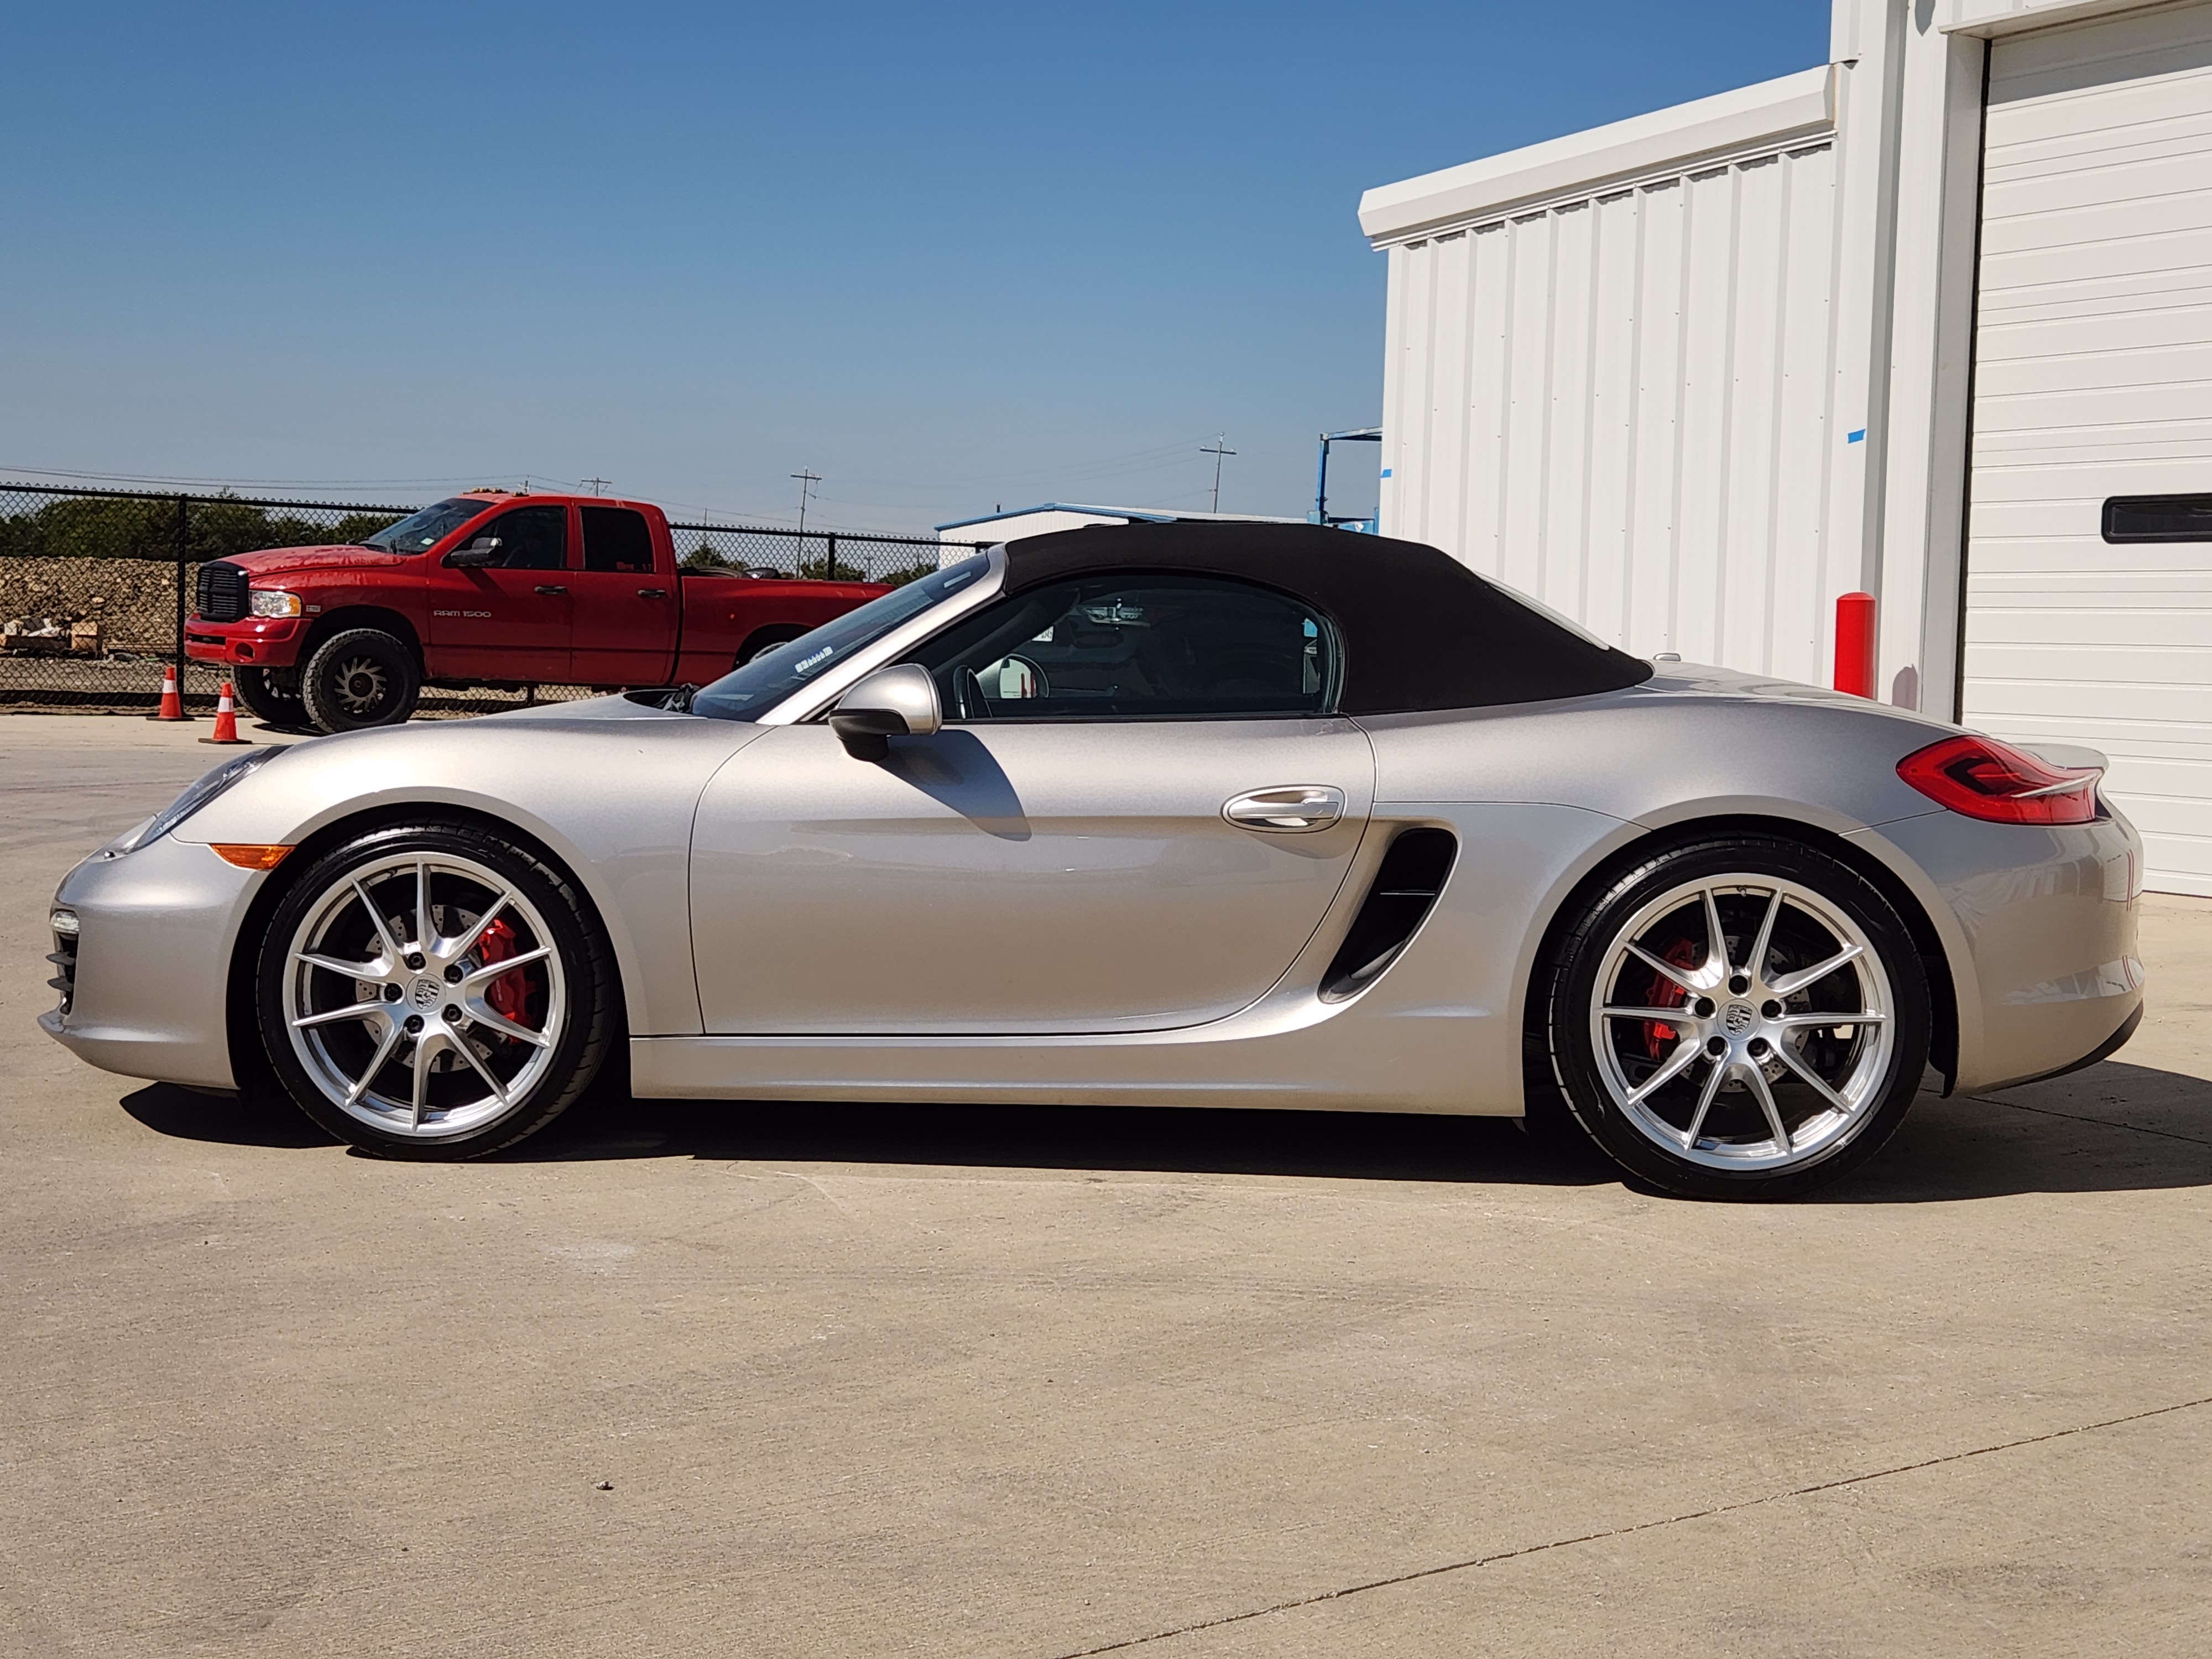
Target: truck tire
363, 676
767, 639
259, 691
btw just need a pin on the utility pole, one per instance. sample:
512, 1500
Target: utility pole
597, 486
806, 482
1218, 448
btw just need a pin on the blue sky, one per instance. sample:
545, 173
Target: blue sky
945, 256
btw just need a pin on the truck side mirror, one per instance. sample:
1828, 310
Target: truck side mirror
891, 702
481, 551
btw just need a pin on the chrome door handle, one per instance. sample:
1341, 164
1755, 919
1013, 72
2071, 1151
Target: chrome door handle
1293, 810
549, 589
653, 593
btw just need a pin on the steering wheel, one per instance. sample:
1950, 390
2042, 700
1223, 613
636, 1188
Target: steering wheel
968, 696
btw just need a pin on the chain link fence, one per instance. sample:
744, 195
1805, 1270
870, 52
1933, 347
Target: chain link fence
814, 555
95, 586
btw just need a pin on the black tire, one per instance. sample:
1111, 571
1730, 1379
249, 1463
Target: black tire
258, 689
767, 639
585, 992
1875, 1076
362, 677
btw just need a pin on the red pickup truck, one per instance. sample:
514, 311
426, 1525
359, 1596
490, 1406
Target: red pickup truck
486, 589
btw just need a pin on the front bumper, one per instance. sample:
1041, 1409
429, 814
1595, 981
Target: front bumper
2050, 972
157, 929
251, 642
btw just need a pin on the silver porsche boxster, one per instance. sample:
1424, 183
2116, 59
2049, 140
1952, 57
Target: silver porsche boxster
1169, 814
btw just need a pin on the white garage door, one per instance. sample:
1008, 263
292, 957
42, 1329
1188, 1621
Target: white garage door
2089, 608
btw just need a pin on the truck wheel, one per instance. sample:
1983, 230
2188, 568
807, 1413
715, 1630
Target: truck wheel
766, 639
362, 677
259, 691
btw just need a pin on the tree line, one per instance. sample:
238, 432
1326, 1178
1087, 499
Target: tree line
134, 527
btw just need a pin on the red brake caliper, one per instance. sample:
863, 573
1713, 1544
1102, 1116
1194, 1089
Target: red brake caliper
1659, 1040
508, 995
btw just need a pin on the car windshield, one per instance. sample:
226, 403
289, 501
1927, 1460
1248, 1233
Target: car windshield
418, 530
770, 678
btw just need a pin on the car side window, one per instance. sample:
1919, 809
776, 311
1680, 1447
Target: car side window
1137, 647
615, 539
530, 539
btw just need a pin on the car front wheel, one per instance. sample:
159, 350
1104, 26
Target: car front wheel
1739, 1017
433, 991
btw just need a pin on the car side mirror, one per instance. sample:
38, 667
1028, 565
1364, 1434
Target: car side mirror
481, 551
892, 703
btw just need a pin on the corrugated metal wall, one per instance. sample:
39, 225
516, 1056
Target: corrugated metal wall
1623, 405
2094, 380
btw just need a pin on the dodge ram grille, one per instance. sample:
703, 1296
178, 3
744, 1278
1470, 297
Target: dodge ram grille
222, 592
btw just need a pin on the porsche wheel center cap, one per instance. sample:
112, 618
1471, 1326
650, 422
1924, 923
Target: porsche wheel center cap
425, 992
1738, 1017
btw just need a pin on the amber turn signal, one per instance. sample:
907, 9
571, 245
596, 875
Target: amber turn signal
249, 858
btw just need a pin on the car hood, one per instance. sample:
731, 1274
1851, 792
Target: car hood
286, 560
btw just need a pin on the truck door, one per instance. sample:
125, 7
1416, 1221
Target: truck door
510, 619
626, 605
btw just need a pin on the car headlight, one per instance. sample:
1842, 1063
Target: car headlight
196, 796
274, 602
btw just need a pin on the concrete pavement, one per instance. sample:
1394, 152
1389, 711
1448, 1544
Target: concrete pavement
699, 1379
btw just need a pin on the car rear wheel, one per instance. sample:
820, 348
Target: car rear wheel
1738, 1017
267, 701
363, 676
433, 991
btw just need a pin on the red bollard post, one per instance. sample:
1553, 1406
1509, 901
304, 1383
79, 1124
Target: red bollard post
1854, 644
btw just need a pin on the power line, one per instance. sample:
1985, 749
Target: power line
597, 486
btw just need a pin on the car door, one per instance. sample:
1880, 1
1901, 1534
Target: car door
625, 631
510, 619
1137, 814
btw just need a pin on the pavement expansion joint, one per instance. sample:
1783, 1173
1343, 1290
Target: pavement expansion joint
1293, 1604
2101, 1122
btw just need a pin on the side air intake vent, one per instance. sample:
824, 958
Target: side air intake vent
1406, 885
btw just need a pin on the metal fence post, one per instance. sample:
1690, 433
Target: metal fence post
829, 565
183, 547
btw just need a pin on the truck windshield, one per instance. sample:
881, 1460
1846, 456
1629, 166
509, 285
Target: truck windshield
770, 678
425, 529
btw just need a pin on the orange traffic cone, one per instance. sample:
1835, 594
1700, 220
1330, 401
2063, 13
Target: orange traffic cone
173, 703
225, 720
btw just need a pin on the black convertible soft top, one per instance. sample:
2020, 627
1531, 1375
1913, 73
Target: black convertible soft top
1419, 629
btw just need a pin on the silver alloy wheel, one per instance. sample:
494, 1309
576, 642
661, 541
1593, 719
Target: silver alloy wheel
1765, 1033
361, 685
441, 932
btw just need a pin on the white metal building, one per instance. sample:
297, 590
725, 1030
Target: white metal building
1930, 320
1011, 524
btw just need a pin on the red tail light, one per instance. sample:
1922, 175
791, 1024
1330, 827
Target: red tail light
1984, 779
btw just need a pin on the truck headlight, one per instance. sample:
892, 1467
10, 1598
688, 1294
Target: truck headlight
273, 602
